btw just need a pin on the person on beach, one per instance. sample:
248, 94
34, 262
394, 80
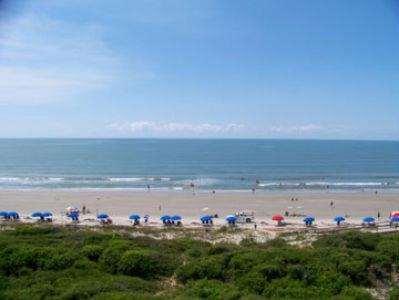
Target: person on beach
192, 186
378, 215
84, 209
255, 226
332, 204
146, 217
253, 190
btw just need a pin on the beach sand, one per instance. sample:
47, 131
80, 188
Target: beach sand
120, 204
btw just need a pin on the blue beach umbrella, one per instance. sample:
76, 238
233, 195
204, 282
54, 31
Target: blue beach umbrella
206, 218
3, 214
13, 214
47, 214
102, 216
176, 218
308, 220
231, 218
37, 215
339, 219
165, 218
134, 217
369, 220
73, 215
395, 219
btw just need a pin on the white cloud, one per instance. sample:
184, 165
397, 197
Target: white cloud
146, 127
296, 129
45, 60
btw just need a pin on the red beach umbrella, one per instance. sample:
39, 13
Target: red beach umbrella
394, 214
277, 218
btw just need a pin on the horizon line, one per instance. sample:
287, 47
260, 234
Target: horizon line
201, 138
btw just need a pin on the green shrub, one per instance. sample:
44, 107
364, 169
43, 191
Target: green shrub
290, 289
276, 243
243, 262
351, 240
219, 249
393, 294
253, 282
212, 267
110, 257
36, 230
61, 261
138, 263
124, 296
212, 289
331, 283
92, 252
356, 270
355, 293
270, 271
390, 248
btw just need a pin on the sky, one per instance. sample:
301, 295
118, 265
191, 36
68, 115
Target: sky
200, 68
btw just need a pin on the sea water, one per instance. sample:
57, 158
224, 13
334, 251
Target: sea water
208, 164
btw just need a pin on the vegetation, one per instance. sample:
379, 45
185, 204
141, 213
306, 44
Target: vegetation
58, 263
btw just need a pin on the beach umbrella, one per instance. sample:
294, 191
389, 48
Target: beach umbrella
231, 218
134, 217
13, 214
277, 218
47, 214
395, 219
72, 209
165, 218
369, 220
3, 214
176, 218
339, 219
73, 215
206, 218
37, 215
394, 214
102, 216
308, 220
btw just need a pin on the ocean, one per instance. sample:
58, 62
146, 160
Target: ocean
207, 164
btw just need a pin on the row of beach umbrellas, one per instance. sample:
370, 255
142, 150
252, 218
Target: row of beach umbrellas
74, 214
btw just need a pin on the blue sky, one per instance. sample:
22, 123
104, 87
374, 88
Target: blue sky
203, 68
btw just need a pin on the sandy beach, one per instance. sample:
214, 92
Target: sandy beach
120, 204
